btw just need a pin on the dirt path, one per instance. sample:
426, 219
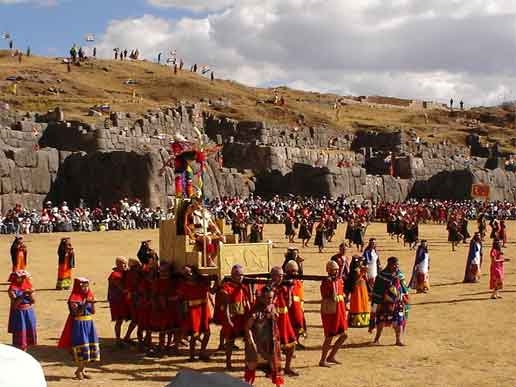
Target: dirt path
457, 336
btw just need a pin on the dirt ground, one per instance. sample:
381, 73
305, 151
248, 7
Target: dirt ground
456, 335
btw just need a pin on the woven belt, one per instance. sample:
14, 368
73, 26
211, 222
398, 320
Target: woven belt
83, 318
283, 310
297, 299
196, 302
24, 306
339, 298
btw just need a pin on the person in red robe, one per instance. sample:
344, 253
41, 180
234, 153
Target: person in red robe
296, 311
282, 302
236, 299
333, 314
132, 279
193, 292
117, 298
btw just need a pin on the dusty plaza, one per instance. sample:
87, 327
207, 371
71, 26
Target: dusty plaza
456, 334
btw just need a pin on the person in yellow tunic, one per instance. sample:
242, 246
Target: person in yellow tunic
66, 262
358, 293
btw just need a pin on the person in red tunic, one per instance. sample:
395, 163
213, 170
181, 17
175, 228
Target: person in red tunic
282, 302
333, 314
236, 299
132, 279
145, 304
117, 298
193, 292
296, 311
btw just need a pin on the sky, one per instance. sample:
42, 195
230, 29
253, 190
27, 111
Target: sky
421, 49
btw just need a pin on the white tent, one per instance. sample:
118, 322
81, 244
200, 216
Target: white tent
188, 378
19, 369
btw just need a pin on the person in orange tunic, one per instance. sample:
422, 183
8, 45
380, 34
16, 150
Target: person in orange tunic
282, 302
237, 301
193, 292
66, 262
18, 255
358, 292
333, 314
296, 311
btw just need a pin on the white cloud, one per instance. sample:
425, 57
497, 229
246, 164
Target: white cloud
434, 49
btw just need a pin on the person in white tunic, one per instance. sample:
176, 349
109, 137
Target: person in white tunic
474, 261
420, 278
373, 261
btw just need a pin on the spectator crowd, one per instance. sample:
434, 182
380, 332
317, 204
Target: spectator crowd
132, 215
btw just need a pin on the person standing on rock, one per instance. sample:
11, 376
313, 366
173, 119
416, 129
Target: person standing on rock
66, 262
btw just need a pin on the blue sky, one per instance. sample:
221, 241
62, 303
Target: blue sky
52, 29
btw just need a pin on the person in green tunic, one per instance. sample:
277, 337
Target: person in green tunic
390, 302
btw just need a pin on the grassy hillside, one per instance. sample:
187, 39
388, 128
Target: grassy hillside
104, 81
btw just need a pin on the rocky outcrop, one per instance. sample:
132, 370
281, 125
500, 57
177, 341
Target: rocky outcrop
123, 154
26, 176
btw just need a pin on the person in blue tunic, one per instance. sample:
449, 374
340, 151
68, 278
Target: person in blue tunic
22, 319
79, 334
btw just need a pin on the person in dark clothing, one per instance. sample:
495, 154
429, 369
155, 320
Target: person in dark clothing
144, 252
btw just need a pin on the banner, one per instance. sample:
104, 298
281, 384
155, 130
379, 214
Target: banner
480, 191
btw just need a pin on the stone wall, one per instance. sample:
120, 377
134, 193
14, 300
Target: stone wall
27, 176
223, 130
122, 155
261, 158
457, 184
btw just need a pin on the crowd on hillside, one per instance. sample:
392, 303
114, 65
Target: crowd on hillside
130, 215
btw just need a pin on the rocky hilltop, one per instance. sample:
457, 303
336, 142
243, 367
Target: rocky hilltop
85, 146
